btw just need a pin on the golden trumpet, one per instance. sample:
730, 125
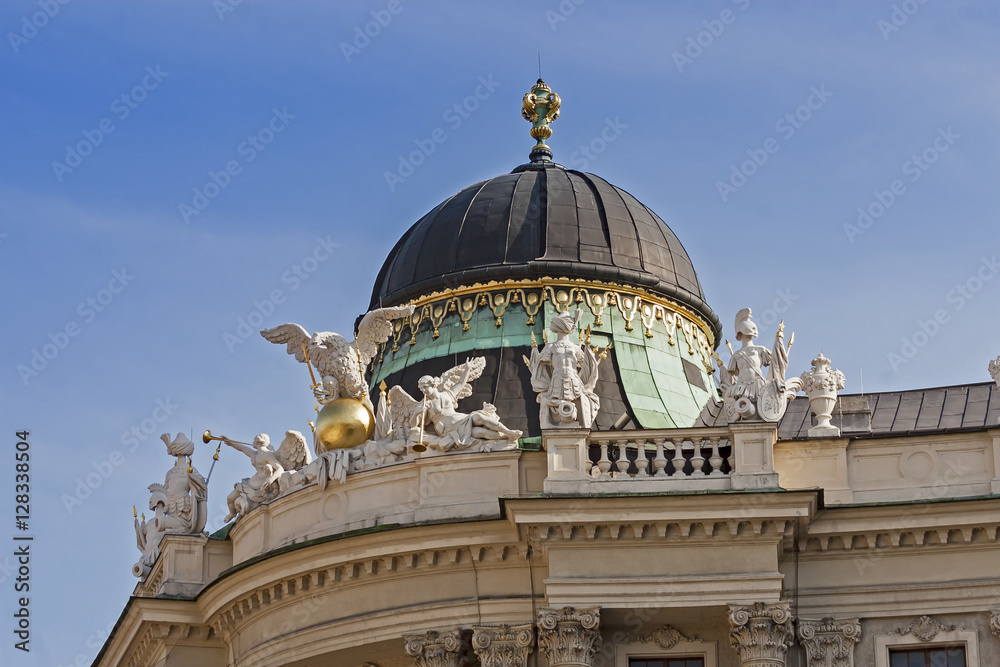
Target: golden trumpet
207, 437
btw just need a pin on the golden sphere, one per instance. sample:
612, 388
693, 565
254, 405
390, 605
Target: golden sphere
343, 423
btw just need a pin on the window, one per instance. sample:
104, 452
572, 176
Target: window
673, 662
943, 656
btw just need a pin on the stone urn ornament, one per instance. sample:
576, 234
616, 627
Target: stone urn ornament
821, 385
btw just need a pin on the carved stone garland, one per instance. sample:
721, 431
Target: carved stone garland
503, 645
569, 637
761, 633
995, 622
830, 642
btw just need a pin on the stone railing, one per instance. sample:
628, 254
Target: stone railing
677, 455
739, 456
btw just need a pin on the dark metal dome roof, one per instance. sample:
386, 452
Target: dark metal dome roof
540, 220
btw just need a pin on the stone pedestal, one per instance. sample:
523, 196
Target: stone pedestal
569, 636
503, 645
761, 633
753, 455
830, 642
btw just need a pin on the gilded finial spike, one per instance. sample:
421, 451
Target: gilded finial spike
382, 387
134, 514
540, 107
534, 343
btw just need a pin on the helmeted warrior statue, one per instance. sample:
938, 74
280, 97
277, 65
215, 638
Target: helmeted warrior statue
179, 505
747, 395
564, 375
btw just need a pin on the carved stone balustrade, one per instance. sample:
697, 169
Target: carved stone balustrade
737, 457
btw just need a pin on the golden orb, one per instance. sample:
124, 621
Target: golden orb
343, 423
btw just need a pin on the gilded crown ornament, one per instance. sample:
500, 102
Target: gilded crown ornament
540, 108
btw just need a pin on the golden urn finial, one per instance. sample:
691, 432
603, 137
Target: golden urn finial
540, 108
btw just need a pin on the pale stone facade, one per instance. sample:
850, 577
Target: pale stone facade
490, 558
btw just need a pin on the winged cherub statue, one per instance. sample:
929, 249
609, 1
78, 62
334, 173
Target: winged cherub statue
273, 469
436, 418
341, 364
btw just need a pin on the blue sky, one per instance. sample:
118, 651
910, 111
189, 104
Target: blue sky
894, 109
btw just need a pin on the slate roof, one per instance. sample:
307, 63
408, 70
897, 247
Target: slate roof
894, 413
540, 220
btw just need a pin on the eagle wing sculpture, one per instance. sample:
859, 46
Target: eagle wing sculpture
375, 328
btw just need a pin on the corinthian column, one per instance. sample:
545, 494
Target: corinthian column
435, 649
830, 642
761, 633
569, 636
503, 645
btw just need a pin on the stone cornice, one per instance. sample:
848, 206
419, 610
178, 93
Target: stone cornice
229, 617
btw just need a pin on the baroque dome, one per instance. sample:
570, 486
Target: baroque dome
540, 220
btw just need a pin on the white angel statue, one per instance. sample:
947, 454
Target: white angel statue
436, 419
341, 364
275, 470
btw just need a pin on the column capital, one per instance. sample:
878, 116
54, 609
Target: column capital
435, 649
569, 636
830, 642
503, 645
761, 633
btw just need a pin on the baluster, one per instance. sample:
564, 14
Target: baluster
641, 462
622, 461
697, 460
660, 462
732, 457
678, 459
715, 460
604, 463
